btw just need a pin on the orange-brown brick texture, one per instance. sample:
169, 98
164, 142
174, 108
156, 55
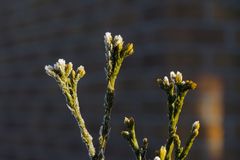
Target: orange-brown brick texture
199, 38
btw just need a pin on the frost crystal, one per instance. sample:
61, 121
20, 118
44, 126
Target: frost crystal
118, 40
157, 158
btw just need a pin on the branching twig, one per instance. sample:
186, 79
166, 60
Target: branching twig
176, 90
193, 135
130, 136
67, 80
115, 54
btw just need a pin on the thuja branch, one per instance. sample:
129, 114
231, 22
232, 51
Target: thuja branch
194, 133
176, 90
115, 54
130, 136
67, 79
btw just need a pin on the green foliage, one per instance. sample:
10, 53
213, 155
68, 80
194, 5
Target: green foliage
67, 79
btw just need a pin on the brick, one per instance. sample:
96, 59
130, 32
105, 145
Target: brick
232, 108
226, 12
227, 60
237, 37
185, 59
173, 10
188, 35
177, 58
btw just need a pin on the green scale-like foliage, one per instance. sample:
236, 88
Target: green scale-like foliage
116, 51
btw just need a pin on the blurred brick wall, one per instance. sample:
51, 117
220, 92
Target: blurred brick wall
199, 38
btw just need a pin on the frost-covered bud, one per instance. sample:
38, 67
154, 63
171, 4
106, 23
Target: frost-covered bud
60, 66
162, 152
179, 77
50, 70
156, 158
108, 54
108, 40
166, 81
118, 41
129, 122
81, 71
196, 125
125, 133
61, 62
145, 141
172, 76
126, 120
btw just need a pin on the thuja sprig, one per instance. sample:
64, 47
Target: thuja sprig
161, 153
194, 133
130, 136
176, 90
115, 54
67, 79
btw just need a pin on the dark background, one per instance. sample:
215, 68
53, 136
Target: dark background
199, 38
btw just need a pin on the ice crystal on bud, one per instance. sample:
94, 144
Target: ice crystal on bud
107, 39
61, 62
61, 70
115, 53
81, 71
118, 40
196, 125
126, 120
179, 77
57, 69
172, 76
157, 158
70, 65
48, 68
166, 81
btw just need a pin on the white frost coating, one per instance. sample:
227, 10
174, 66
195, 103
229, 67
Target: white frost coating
157, 158
61, 61
196, 124
166, 81
48, 68
118, 40
81, 70
107, 39
179, 76
172, 76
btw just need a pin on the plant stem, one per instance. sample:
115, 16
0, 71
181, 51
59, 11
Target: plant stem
87, 138
175, 108
105, 127
75, 108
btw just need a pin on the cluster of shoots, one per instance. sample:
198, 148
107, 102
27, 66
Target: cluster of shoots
176, 89
116, 51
